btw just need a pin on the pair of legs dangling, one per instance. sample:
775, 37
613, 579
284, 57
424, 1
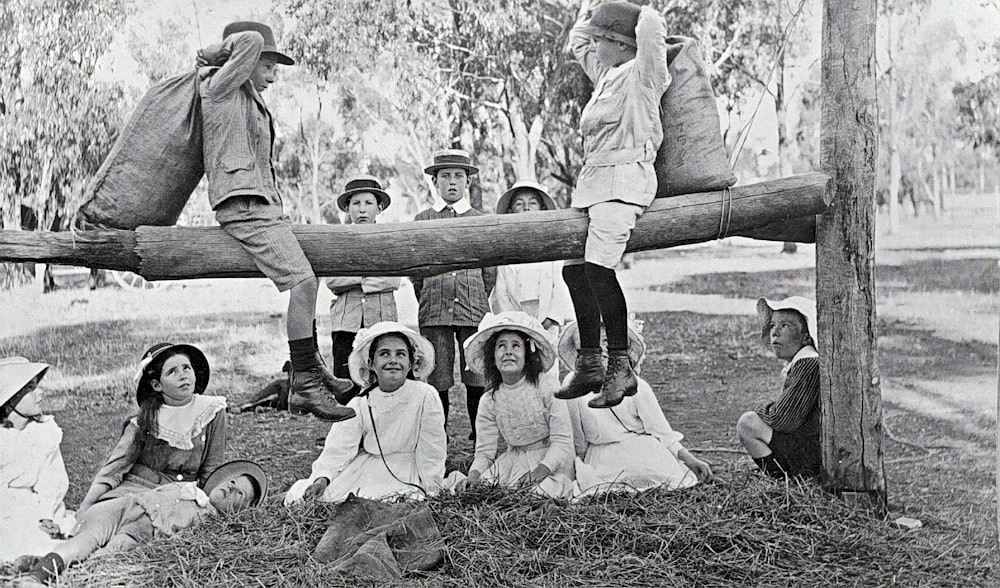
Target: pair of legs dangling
597, 295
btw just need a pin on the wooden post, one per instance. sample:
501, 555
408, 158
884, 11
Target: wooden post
845, 256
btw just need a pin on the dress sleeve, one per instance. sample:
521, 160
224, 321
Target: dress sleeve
121, 460
560, 450
651, 414
561, 307
651, 50
432, 444
245, 49
215, 447
341, 446
502, 299
576, 421
799, 397
487, 434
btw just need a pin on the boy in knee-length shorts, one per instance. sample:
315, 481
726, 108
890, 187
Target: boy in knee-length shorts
238, 137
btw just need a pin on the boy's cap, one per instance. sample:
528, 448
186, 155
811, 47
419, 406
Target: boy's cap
503, 204
615, 20
451, 158
265, 31
364, 183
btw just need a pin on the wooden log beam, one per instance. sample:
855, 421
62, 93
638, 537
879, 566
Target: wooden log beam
164, 253
845, 257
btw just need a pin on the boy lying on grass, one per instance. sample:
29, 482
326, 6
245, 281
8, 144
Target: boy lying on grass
125, 522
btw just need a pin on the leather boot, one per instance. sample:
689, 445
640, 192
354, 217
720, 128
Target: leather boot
343, 390
308, 392
587, 376
619, 382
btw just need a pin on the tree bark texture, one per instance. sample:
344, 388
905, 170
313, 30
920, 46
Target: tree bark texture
766, 210
845, 255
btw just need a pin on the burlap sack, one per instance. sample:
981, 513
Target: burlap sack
155, 163
692, 157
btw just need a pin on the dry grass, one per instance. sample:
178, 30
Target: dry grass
750, 532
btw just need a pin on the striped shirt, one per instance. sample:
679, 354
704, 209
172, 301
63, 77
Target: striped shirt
798, 407
455, 298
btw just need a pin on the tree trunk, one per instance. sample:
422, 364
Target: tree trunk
845, 257
766, 210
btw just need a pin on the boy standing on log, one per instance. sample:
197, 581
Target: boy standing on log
238, 146
622, 49
453, 303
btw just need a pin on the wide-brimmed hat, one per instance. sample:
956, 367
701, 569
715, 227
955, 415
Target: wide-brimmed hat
15, 373
265, 31
475, 346
503, 204
569, 344
800, 304
422, 364
359, 184
452, 158
235, 469
198, 362
615, 20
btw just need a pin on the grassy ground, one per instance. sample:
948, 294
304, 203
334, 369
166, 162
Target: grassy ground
705, 369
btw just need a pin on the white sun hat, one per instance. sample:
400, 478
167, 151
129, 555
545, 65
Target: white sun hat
475, 346
15, 373
422, 362
800, 304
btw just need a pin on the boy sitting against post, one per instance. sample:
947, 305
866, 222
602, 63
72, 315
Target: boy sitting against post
122, 523
783, 437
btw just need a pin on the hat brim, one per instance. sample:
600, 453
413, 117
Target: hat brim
344, 199
279, 57
569, 345
503, 203
199, 362
422, 364
235, 469
434, 169
800, 304
15, 376
609, 34
475, 346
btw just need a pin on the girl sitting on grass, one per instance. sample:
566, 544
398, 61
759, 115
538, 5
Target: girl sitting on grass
513, 351
179, 434
631, 446
33, 480
396, 446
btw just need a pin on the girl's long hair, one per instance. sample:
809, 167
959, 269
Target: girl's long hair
532, 360
150, 400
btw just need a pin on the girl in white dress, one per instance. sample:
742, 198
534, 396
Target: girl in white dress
514, 353
629, 447
396, 445
33, 480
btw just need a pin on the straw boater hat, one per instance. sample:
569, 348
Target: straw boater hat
15, 373
503, 204
475, 346
357, 362
569, 344
265, 31
615, 20
198, 362
235, 469
800, 304
452, 158
361, 184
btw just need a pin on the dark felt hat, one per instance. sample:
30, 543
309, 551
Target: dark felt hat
615, 20
451, 158
503, 204
265, 31
235, 469
149, 365
360, 184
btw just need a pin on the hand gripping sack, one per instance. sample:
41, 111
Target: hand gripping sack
155, 163
692, 157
